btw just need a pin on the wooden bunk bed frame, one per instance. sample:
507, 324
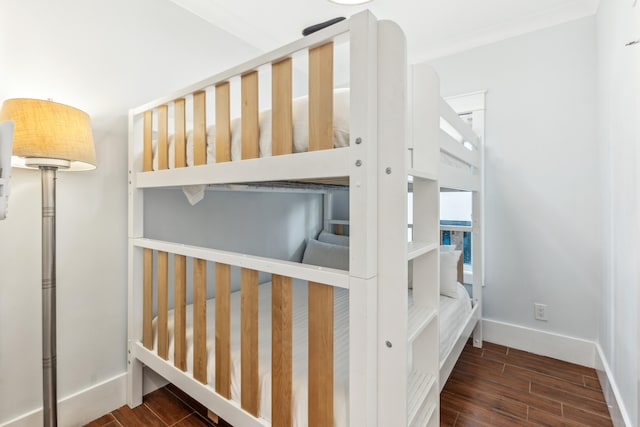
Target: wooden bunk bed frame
393, 347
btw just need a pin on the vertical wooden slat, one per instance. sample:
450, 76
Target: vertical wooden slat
180, 312
249, 116
339, 229
321, 97
180, 134
281, 351
282, 115
147, 144
163, 305
199, 128
163, 137
147, 298
320, 354
249, 341
223, 330
200, 320
223, 123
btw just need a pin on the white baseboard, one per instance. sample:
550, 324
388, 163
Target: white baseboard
88, 404
619, 414
81, 407
562, 347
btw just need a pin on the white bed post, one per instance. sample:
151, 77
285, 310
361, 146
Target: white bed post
477, 251
363, 208
477, 263
134, 323
392, 345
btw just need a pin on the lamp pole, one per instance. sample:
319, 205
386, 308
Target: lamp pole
49, 362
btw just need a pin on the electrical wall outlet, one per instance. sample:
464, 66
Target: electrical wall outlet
540, 311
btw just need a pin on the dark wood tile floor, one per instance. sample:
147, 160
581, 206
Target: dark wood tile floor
499, 386
489, 387
167, 406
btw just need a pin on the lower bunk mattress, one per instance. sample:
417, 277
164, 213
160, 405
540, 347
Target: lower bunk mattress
453, 314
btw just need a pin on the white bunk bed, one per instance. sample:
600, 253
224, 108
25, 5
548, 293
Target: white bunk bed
358, 327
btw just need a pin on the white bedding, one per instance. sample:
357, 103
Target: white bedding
300, 353
300, 112
453, 313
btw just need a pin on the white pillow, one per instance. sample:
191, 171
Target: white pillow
211, 146
335, 239
300, 111
447, 248
326, 255
449, 273
341, 119
171, 159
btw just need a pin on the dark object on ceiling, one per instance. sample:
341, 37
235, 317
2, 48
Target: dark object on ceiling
317, 27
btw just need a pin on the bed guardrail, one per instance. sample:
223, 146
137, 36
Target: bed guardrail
462, 146
189, 109
320, 329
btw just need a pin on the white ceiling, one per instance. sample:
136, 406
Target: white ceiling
433, 27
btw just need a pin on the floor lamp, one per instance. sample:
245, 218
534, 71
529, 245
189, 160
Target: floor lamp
49, 136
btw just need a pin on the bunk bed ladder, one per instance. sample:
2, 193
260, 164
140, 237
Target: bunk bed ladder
424, 344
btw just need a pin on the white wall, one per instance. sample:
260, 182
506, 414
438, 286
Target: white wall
619, 141
104, 58
542, 175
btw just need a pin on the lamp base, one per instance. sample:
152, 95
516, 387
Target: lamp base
39, 162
